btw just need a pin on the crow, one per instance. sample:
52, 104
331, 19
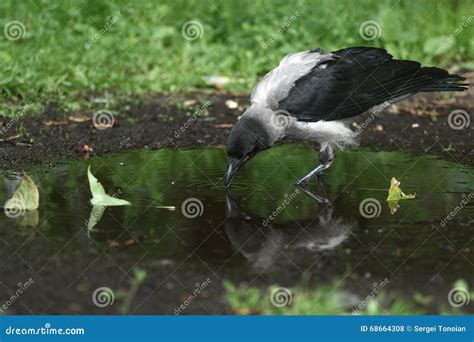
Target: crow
310, 94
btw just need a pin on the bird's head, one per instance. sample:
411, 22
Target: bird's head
247, 138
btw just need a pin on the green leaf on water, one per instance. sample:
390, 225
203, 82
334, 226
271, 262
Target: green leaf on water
26, 197
99, 197
396, 194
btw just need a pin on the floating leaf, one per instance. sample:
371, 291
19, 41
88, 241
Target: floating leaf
95, 216
30, 219
99, 197
393, 207
26, 197
395, 193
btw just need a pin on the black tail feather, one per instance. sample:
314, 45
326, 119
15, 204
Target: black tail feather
451, 83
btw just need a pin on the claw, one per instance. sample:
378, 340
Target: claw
317, 198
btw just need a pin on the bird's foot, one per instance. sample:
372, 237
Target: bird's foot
319, 177
317, 198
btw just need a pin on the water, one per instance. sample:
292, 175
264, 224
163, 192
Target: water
260, 234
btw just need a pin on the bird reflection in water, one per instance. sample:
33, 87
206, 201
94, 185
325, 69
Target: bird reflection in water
267, 247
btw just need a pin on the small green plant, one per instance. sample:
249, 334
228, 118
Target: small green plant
139, 276
25, 134
330, 299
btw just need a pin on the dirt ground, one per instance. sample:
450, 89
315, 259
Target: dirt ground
419, 125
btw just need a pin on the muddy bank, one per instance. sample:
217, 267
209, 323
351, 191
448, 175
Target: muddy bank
419, 125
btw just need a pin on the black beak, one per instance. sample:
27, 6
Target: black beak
233, 165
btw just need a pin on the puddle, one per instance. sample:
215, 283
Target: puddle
263, 233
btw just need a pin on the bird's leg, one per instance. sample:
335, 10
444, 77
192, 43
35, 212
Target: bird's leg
326, 157
322, 185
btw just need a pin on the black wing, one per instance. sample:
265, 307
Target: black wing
358, 79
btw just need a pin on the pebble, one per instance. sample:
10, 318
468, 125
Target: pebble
189, 103
231, 104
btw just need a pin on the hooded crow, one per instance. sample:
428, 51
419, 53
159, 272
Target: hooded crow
310, 94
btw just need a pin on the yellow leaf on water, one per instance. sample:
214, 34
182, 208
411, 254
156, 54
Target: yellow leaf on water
396, 194
393, 206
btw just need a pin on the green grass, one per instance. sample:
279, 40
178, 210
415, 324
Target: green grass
330, 300
144, 51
